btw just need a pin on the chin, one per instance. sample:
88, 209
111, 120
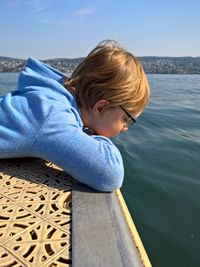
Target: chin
109, 135
103, 134
106, 134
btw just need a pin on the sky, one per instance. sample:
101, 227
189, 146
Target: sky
47, 29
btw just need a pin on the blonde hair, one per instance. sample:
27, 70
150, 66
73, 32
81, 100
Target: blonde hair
110, 72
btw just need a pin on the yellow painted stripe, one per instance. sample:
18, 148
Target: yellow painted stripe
136, 238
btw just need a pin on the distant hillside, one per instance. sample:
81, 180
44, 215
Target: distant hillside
157, 65
9, 58
171, 65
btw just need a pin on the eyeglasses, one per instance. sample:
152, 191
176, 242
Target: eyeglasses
131, 120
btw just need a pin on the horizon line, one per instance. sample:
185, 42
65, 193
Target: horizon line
53, 58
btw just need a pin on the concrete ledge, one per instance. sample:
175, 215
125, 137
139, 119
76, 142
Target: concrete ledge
100, 234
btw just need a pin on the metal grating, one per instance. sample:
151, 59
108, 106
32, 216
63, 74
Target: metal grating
35, 214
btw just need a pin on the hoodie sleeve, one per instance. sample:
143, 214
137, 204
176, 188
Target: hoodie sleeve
93, 160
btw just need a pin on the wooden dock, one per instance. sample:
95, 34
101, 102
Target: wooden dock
49, 219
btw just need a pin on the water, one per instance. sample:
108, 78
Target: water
8, 82
162, 180
162, 185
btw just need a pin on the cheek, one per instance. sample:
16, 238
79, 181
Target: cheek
116, 122
110, 125
116, 127
110, 129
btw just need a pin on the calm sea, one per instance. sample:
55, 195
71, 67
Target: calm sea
162, 162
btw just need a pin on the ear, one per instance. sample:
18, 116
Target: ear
100, 106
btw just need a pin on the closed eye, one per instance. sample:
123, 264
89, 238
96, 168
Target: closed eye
126, 118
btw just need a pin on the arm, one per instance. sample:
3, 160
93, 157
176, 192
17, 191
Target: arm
93, 160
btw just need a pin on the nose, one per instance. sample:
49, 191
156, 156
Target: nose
124, 129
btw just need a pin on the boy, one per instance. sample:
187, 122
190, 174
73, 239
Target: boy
69, 120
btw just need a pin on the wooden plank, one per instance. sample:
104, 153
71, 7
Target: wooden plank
100, 235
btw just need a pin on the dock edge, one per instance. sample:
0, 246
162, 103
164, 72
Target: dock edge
134, 233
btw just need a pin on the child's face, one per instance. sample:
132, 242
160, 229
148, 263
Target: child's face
111, 123
107, 121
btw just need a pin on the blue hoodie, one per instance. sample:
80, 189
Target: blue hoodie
41, 119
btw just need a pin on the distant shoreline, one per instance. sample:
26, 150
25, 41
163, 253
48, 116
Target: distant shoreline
151, 64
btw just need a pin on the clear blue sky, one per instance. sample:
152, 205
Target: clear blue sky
71, 28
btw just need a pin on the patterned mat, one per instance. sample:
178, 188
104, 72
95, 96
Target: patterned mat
35, 214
